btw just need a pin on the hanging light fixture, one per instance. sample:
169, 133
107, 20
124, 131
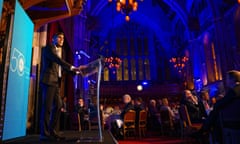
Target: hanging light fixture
126, 7
179, 62
113, 62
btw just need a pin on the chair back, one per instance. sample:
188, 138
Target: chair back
130, 116
166, 119
142, 117
129, 123
185, 116
79, 122
230, 122
165, 116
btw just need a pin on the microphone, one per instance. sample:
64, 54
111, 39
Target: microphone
85, 54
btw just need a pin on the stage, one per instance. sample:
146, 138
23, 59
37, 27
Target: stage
72, 137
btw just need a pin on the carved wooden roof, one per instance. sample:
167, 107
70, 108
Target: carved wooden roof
44, 11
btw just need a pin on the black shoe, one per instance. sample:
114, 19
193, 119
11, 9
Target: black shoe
57, 136
47, 138
44, 138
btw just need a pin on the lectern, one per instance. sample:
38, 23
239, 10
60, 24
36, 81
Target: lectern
94, 67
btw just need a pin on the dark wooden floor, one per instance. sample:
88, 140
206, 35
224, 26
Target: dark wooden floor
72, 137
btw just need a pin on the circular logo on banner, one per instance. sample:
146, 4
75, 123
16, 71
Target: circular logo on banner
21, 64
17, 62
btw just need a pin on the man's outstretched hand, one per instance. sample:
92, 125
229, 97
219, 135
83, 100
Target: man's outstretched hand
81, 69
75, 69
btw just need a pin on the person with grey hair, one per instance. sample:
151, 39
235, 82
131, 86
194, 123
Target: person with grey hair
116, 126
128, 105
233, 93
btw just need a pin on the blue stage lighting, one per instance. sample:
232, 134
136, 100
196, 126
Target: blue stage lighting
145, 83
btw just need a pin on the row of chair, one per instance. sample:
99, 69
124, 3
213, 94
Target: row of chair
130, 126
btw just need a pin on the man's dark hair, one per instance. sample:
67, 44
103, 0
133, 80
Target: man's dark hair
138, 99
57, 34
234, 74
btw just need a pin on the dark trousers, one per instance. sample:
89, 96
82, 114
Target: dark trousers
51, 109
64, 121
116, 131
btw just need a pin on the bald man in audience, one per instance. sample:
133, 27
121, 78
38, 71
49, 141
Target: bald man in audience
128, 105
116, 126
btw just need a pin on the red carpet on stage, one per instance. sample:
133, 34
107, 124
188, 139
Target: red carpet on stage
154, 140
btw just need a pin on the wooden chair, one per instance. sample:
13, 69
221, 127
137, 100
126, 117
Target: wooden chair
93, 121
230, 122
187, 126
86, 119
142, 124
129, 123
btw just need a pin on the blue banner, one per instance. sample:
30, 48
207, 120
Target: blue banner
15, 119
1, 4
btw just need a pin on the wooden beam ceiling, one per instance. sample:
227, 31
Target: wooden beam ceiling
45, 11
29, 3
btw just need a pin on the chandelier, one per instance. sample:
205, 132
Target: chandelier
179, 62
126, 7
113, 62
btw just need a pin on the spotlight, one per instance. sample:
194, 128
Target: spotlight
145, 83
139, 87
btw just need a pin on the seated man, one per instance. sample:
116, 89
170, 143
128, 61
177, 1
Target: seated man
82, 110
194, 106
165, 106
154, 122
138, 106
116, 128
205, 101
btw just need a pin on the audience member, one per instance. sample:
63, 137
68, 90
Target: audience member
127, 100
174, 107
82, 110
159, 104
165, 107
116, 126
213, 101
138, 104
205, 101
195, 108
212, 122
138, 107
116, 110
153, 116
